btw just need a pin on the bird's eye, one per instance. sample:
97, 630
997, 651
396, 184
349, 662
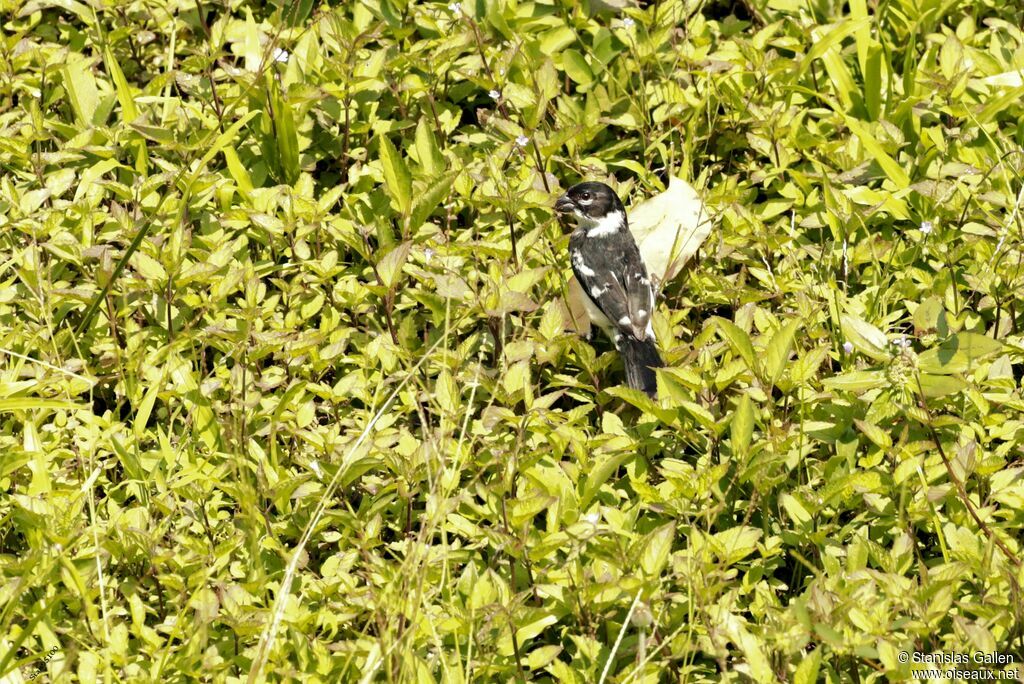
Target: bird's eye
585, 195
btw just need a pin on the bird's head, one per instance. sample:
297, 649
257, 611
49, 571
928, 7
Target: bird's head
590, 204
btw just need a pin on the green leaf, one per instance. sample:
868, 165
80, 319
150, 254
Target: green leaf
157, 134
657, 546
930, 316
251, 50
807, 670
446, 393
396, 175
876, 434
1000, 104
739, 340
428, 201
237, 170
390, 267
430, 156
832, 39
93, 174
533, 623
81, 89
228, 137
297, 11
856, 381
205, 426
934, 386
576, 67
124, 93
36, 403
553, 41
149, 268
958, 354
145, 408
742, 427
795, 509
828, 48
540, 657
494, 11
642, 401
892, 169
599, 474
286, 138
865, 337
777, 353
736, 543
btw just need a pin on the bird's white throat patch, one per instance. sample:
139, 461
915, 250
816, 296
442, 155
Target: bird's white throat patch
606, 225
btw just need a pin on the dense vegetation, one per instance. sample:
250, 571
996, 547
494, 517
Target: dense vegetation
287, 391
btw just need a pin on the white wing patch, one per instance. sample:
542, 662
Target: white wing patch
577, 261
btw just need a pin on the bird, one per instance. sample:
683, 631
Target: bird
607, 263
669, 228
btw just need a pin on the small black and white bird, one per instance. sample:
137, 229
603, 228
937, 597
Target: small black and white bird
607, 263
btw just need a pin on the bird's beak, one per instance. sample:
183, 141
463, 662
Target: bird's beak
564, 205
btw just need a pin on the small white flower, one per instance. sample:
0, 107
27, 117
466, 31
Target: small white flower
522, 140
848, 347
901, 342
428, 254
926, 227
316, 468
628, 22
456, 8
495, 94
592, 518
281, 55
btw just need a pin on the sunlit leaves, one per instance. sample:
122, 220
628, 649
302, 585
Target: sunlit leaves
261, 322
397, 178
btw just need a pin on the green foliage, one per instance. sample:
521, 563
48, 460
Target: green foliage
287, 394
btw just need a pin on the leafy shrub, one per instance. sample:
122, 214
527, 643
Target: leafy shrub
287, 391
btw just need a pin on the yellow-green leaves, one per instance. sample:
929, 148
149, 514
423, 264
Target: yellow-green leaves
397, 178
656, 548
237, 170
738, 339
958, 354
576, 67
267, 358
280, 135
778, 350
390, 267
81, 89
856, 381
428, 200
896, 173
865, 337
742, 426
430, 156
123, 90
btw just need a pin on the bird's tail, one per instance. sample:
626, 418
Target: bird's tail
640, 358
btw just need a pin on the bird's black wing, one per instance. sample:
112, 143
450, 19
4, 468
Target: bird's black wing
613, 275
